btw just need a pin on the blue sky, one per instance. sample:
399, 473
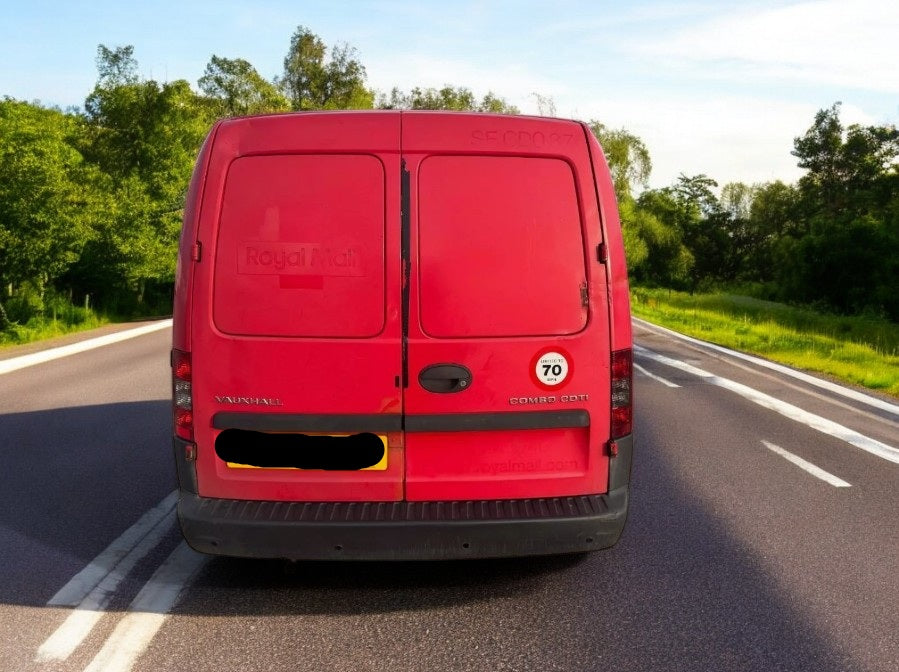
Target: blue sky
720, 88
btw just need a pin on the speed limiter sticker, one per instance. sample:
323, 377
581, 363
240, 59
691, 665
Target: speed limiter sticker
551, 368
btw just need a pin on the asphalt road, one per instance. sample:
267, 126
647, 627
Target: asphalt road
734, 558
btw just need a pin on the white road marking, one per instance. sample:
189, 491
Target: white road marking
147, 612
654, 376
71, 594
75, 629
814, 470
16, 363
780, 368
824, 425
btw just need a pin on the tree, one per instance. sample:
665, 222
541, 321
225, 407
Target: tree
235, 89
773, 217
116, 66
848, 169
455, 98
144, 136
668, 261
546, 106
844, 255
627, 155
49, 203
311, 82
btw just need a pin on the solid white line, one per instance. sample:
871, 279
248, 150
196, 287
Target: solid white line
80, 585
147, 612
75, 629
780, 368
16, 363
824, 425
815, 471
655, 377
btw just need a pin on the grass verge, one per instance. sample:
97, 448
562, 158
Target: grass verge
41, 328
863, 351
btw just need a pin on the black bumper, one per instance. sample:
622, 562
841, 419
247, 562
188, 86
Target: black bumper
403, 530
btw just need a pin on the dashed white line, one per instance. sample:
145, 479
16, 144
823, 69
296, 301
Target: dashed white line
817, 422
16, 363
147, 612
807, 466
655, 377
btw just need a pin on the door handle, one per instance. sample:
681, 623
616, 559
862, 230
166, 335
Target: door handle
444, 378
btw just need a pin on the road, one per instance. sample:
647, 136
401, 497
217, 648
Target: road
734, 557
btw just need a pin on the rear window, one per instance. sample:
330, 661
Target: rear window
301, 247
500, 247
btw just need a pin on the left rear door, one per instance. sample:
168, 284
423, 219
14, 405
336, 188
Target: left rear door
296, 313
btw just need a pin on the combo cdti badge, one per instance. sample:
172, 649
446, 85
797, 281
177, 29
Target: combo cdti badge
401, 335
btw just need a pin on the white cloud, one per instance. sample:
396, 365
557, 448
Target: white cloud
728, 138
850, 44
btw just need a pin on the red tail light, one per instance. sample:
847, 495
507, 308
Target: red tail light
622, 396
182, 395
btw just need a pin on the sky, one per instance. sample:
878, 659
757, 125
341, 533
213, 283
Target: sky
711, 87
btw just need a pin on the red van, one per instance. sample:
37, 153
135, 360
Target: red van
401, 335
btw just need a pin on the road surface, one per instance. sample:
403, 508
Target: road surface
763, 535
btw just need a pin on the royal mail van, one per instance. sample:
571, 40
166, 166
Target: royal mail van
401, 335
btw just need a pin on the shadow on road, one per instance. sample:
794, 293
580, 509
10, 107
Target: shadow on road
73, 479
679, 592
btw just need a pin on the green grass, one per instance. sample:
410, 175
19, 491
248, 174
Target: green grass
41, 328
863, 351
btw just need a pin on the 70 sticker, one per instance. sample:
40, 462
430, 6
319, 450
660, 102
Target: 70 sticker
551, 368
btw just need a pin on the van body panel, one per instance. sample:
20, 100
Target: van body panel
615, 263
503, 210
453, 284
301, 241
491, 231
320, 335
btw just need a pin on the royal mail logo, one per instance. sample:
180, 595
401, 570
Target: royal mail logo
269, 258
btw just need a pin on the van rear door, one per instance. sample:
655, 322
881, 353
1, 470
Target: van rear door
507, 385
296, 309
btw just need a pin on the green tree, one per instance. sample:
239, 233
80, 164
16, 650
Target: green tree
845, 254
628, 158
311, 81
144, 136
773, 218
848, 170
457, 98
235, 88
49, 198
668, 262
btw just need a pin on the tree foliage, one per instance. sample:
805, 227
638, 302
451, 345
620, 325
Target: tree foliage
312, 81
91, 200
49, 205
460, 99
627, 156
235, 88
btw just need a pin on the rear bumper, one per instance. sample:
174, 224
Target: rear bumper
402, 530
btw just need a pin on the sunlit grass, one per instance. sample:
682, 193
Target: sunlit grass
41, 328
859, 350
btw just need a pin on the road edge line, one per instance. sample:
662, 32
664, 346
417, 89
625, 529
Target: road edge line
820, 423
24, 361
836, 388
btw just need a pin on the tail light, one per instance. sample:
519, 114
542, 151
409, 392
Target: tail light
622, 396
182, 396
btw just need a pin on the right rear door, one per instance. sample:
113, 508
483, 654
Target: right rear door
507, 366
